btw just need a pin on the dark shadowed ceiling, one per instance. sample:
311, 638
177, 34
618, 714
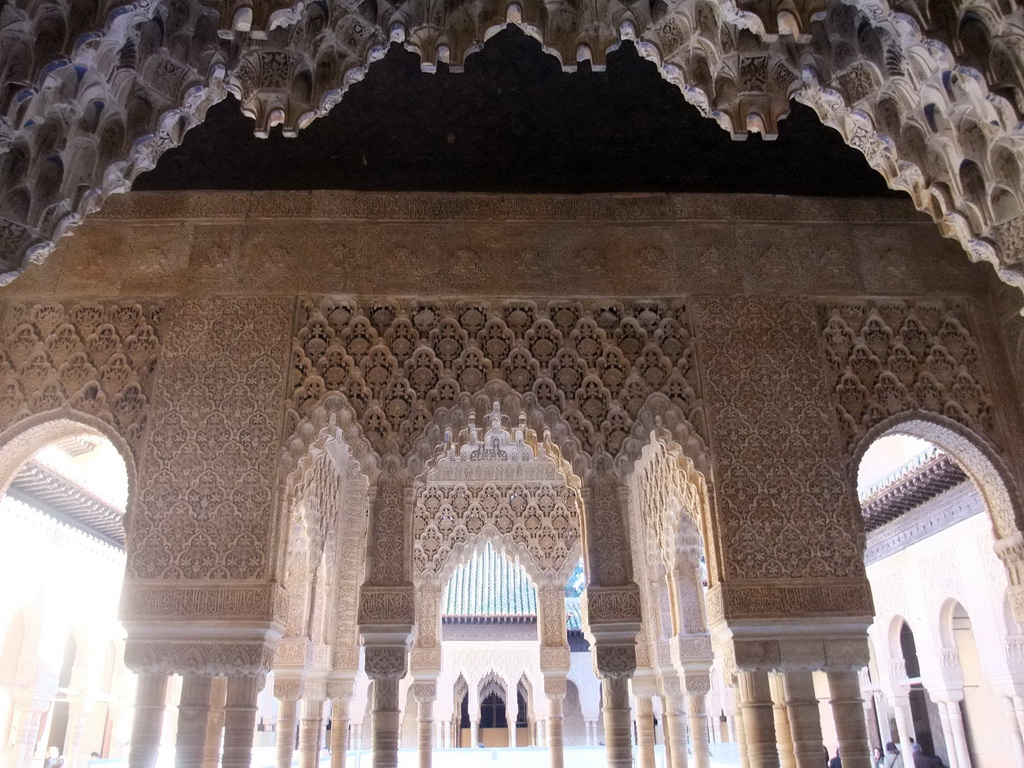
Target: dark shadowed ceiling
513, 121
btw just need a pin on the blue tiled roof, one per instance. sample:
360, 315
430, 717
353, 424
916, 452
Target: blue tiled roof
491, 586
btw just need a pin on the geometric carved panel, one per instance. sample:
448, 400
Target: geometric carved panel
96, 357
207, 480
782, 503
397, 361
889, 357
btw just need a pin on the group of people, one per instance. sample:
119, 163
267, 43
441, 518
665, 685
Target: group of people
894, 759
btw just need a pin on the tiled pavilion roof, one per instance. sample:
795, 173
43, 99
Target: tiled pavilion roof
493, 589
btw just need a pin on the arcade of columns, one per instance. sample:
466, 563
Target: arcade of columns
284, 451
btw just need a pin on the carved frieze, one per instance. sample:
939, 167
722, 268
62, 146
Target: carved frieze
96, 357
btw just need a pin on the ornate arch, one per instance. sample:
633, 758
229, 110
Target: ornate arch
975, 454
100, 108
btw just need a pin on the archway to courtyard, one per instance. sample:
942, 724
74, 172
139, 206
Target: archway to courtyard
939, 517
497, 534
66, 483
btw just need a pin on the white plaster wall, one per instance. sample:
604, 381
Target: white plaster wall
919, 585
68, 584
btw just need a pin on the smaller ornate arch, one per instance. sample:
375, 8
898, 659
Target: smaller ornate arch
974, 453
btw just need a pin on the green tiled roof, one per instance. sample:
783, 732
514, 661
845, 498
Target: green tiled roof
489, 585
492, 587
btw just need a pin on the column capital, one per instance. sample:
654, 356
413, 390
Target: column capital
615, 661
554, 660
555, 687
425, 691
340, 688
385, 662
288, 688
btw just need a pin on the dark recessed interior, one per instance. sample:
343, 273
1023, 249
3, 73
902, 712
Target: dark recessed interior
513, 121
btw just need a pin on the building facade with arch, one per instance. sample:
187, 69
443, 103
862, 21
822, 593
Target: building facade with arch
681, 383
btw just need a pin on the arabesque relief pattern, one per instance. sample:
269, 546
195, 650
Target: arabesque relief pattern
783, 508
890, 357
397, 362
931, 94
95, 357
207, 483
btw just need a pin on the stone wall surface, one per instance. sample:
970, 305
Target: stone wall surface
207, 488
283, 243
757, 343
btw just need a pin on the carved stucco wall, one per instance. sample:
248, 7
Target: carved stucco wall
765, 390
889, 357
95, 357
207, 486
787, 527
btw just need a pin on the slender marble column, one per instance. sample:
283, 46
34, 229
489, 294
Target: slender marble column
696, 703
240, 720
848, 714
309, 731
78, 712
150, 699
741, 734
555, 736
675, 731
617, 722
905, 725
285, 731
956, 725
804, 718
758, 719
1013, 729
28, 733
339, 729
947, 735
425, 693
193, 721
215, 723
644, 732
385, 723
542, 734
783, 734
474, 733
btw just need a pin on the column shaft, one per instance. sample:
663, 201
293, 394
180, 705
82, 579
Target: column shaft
848, 714
758, 719
804, 718
555, 736
741, 734
617, 722
904, 724
193, 721
240, 720
27, 735
644, 732
285, 731
215, 727
956, 724
426, 732
947, 736
1013, 728
675, 732
309, 732
150, 695
699, 730
339, 732
385, 723
783, 734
